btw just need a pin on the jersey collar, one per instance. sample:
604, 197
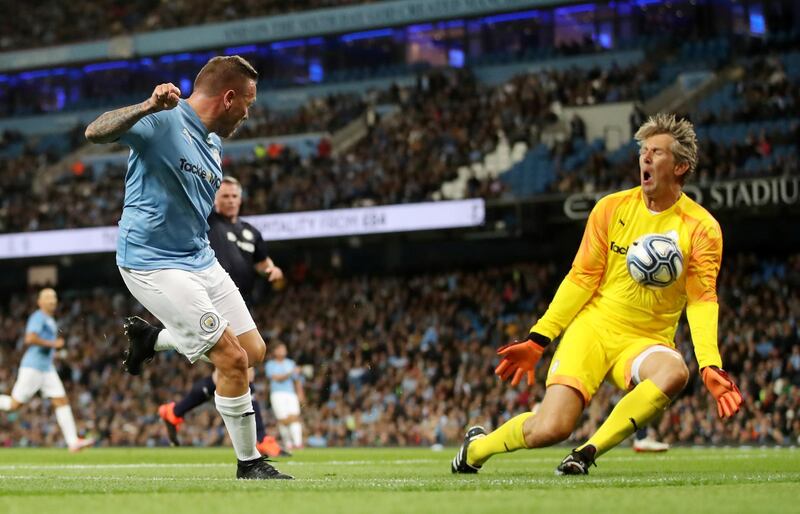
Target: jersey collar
193, 118
674, 206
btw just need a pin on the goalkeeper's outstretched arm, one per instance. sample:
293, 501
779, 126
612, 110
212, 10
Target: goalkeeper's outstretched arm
702, 311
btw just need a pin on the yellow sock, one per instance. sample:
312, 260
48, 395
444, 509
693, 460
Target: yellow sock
508, 437
634, 411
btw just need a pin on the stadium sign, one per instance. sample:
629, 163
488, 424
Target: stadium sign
752, 193
370, 220
274, 227
718, 196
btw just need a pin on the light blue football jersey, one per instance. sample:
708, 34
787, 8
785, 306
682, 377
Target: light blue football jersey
174, 171
39, 357
274, 367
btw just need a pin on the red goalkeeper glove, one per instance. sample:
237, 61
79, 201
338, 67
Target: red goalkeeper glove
520, 357
728, 396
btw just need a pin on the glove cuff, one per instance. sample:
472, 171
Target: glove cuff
539, 339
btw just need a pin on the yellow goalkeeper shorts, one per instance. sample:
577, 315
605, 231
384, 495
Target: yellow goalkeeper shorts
592, 351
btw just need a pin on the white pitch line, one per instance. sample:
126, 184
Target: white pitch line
121, 479
110, 466
214, 464
543, 460
395, 482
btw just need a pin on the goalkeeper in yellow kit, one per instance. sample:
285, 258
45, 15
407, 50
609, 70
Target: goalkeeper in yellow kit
614, 328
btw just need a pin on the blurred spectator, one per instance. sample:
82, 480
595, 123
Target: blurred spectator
51, 22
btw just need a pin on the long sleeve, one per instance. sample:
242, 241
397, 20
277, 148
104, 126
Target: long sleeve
569, 299
703, 324
583, 279
702, 308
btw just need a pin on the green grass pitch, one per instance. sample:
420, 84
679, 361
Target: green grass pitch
192, 480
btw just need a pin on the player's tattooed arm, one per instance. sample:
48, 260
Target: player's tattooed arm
112, 124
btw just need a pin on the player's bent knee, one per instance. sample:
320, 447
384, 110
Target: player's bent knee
666, 370
238, 360
254, 345
227, 355
234, 368
673, 379
59, 402
261, 354
680, 376
255, 355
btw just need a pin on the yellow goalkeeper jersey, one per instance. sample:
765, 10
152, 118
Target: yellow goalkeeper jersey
599, 281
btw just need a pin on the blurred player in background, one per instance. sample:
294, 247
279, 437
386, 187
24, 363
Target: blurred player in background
644, 442
37, 372
163, 252
616, 328
242, 252
286, 395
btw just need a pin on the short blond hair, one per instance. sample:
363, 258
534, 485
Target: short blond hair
228, 179
224, 71
684, 148
44, 291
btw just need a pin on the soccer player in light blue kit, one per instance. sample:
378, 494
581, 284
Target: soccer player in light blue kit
163, 253
286, 394
37, 373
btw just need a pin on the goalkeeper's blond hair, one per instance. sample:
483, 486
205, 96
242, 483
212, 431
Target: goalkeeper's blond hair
684, 148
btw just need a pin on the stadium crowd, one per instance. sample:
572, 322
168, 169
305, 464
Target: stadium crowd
51, 22
764, 92
408, 360
319, 114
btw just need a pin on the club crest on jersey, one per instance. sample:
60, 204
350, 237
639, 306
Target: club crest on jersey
209, 322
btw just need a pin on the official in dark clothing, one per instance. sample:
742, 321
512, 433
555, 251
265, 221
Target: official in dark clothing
239, 246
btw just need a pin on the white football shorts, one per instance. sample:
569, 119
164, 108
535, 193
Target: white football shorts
194, 306
284, 404
31, 380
